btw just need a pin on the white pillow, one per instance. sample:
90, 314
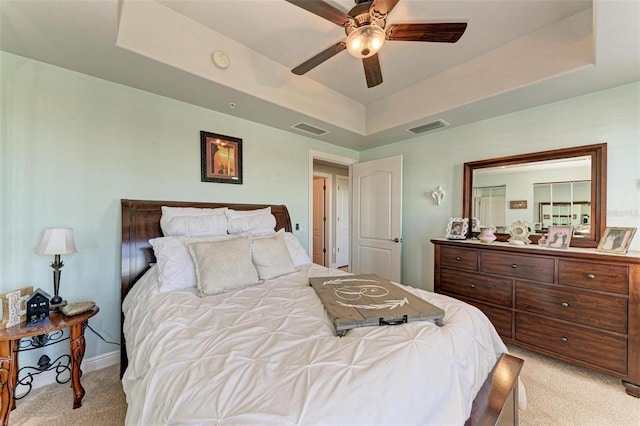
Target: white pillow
177, 221
223, 266
271, 257
256, 222
175, 266
298, 254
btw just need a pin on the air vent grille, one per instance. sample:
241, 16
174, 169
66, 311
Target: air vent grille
428, 127
308, 128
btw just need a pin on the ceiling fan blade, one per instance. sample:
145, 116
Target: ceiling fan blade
384, 6
319, 58
437, 32
323, 10
372, 70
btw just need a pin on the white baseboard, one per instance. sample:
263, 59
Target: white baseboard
88, 365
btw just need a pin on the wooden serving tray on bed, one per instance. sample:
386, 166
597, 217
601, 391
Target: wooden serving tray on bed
368, 300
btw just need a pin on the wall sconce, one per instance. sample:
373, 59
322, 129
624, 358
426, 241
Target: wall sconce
57, 241
438, 195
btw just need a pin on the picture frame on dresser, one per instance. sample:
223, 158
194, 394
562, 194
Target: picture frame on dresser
559, 237
457, 228
616, 240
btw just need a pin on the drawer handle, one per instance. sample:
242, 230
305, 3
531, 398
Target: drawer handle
514, 266
564, 339
458, 258
472, 286
564, 304
591, 277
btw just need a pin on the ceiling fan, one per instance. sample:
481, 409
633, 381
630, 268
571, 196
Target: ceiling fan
366, 29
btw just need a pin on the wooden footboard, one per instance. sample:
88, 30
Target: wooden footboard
497, 400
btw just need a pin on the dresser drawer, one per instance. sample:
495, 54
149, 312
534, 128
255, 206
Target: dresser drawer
477, 286
517, 266
459, 258
499, 317
607, 312
597, 276
574, 341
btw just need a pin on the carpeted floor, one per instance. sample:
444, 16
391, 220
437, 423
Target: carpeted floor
558, 394
104, 403
561, 394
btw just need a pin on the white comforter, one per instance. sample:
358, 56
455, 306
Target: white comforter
269, 355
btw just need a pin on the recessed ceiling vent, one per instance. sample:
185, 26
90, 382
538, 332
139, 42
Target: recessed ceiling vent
308, 128
428, 127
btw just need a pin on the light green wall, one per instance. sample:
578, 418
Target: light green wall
611, 116
74, 145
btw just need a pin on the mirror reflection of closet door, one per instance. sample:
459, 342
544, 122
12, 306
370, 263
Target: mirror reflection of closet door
490, 205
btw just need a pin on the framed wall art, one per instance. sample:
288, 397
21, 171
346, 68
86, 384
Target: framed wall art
221, 158
457, 228
616, 240
518, 204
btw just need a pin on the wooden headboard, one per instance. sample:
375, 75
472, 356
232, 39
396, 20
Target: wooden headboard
141, 222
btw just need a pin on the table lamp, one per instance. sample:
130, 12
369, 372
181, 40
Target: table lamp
57, 241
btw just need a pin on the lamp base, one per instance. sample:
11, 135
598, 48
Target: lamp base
56, 307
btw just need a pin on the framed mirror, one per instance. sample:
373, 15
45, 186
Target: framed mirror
549, 188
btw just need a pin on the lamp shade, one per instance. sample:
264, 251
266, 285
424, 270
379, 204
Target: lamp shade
57, 241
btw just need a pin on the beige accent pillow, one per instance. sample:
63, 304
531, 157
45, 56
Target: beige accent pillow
175, 266
271, 256
223, 266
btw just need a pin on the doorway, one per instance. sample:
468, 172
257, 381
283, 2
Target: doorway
375, 242
337, 174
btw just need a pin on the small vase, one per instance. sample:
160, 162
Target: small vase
487, 236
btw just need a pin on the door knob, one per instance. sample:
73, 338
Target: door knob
396, 240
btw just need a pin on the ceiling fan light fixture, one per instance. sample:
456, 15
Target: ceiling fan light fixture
365, 41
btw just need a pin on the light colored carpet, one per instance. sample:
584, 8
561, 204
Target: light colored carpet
558, 394
104, 403
563, 394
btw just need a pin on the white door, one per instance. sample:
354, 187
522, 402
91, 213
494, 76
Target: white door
342, 221
377, 218
319, 221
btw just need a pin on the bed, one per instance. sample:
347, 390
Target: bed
268, 354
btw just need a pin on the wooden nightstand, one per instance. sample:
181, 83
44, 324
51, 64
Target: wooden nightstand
9, 349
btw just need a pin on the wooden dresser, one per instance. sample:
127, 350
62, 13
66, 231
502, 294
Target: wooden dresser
577, 305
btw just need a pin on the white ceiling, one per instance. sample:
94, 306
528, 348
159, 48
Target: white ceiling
514, 55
